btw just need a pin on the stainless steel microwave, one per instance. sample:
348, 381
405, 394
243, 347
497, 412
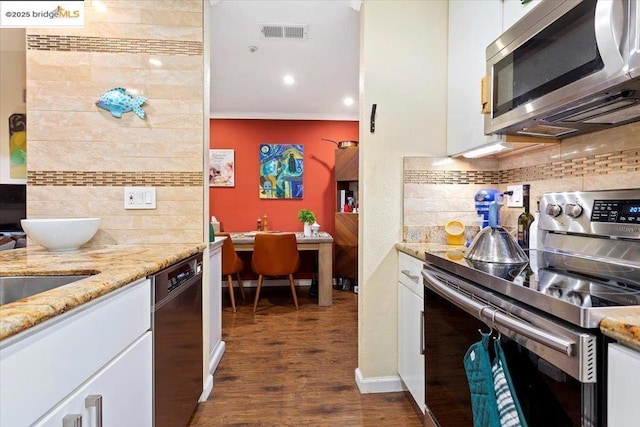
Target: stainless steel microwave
567, 67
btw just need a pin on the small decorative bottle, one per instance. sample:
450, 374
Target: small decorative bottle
525, 219
315, 228
259, 224
265, 223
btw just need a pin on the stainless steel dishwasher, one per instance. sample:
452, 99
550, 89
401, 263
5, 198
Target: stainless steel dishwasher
177, 341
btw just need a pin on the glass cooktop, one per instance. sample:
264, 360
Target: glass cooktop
579, 290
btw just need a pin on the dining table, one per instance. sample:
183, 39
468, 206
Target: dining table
321, 242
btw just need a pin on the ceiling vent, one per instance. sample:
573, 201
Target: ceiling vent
284, 31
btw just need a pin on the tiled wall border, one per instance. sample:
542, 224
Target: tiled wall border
599, 164
114, 45
114, 179
450, 177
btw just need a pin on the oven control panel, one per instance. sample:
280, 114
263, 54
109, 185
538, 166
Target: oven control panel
618, 211
612, 213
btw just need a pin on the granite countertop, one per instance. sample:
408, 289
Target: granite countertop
110, 267
417, 250
625, 329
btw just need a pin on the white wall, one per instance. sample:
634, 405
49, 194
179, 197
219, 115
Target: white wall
404, 71
13, 81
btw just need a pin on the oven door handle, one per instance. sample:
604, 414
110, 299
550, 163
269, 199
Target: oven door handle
498, 318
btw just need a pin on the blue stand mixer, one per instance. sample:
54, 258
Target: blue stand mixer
483, 199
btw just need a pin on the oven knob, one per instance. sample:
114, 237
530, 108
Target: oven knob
553, 210
573, 210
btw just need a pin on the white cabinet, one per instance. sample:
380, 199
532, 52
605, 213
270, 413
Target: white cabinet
411, 327
87, 347
623, 387
216, 345
473, 25
513, 10
120, 394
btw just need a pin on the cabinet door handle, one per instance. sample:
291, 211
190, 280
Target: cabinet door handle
372, 124
422, 337
95, 401
410, 276
72, 420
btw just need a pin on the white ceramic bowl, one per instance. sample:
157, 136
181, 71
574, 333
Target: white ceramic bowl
61, 234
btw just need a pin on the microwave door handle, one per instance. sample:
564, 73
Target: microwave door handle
609, 25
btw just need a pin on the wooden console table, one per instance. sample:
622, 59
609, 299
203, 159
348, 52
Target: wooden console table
322, 243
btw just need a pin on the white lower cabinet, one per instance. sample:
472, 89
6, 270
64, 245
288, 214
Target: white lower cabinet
120, 394
623, 387
102, 347
411, 327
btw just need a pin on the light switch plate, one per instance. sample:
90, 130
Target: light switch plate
139, 197
514, 200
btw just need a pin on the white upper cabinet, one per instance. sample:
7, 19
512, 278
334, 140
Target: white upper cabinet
513, 10
473, 24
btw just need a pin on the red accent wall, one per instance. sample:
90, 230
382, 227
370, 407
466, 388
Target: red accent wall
238, 208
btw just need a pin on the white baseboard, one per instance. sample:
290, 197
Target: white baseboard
267, 283
214, 360
378, 384
216, 356
208, 386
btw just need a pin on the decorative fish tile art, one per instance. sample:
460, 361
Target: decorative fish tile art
117, 101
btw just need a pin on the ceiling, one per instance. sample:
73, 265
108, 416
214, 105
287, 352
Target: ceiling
247, 82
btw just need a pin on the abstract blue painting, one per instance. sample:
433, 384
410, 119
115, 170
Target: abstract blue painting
281, 171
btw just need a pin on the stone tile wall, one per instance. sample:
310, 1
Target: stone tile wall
438, 190
80, 157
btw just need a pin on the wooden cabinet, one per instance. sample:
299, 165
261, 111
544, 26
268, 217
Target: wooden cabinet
623, 387
346, 223
99, 348
411, 364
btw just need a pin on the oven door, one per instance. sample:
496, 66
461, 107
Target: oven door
535, 349
560, 51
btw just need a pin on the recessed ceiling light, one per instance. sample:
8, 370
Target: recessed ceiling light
156, 62
288, 80
347, 101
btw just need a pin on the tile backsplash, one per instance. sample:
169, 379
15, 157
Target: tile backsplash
438, 190
80, 157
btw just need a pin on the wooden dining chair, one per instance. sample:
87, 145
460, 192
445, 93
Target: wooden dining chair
275, 255
231, 264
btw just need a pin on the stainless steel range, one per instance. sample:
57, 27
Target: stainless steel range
547, 311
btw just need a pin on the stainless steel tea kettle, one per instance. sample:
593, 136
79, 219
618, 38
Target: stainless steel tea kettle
495, 244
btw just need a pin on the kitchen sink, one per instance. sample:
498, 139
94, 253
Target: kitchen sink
17, 287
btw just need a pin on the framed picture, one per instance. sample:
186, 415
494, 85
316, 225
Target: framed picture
221, 168
281, 171
13, 156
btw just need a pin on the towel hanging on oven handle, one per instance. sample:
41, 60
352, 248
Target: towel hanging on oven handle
493, 398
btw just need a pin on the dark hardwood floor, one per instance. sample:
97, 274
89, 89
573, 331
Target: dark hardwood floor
288, 368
